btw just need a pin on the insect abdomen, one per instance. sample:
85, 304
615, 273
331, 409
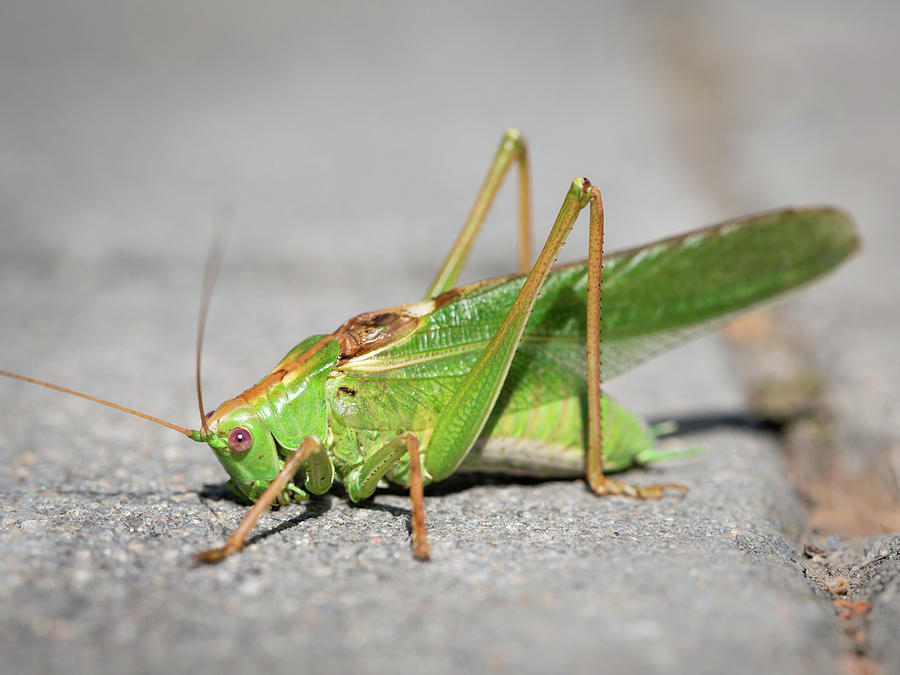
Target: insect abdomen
548, 441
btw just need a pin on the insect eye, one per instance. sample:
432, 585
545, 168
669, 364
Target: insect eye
240, 440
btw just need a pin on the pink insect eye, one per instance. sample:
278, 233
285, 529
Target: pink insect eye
240, 440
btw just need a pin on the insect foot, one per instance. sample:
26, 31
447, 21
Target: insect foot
608, 486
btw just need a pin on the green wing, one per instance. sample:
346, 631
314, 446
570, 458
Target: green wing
654, 297
658, 295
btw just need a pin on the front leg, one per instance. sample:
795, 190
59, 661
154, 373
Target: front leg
236, 541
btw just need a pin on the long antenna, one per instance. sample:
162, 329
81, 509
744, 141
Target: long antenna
137, 413
218, 240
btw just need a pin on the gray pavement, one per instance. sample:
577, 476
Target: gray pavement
351, 143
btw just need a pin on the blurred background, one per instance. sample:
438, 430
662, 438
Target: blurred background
136, 118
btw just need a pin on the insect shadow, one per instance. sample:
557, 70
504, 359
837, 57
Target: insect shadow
675, 427
218, 492
314, 508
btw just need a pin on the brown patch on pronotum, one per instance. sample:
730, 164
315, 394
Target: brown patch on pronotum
369, 331
347, 390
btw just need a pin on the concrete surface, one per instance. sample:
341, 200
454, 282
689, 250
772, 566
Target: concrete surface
351, 143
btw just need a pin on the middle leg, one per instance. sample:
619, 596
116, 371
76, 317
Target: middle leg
364, 480
512, 149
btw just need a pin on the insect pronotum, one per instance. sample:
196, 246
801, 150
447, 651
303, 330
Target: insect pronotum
503, 374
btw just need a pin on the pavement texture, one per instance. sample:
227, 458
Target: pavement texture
350, 143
